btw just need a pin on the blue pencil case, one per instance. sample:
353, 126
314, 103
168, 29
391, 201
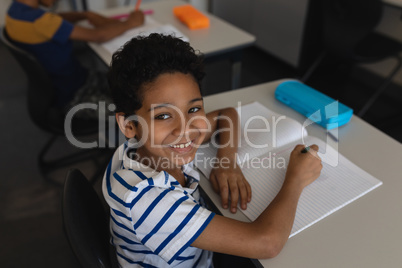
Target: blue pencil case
313, 104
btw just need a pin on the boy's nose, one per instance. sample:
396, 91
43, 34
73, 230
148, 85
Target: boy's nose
181, 128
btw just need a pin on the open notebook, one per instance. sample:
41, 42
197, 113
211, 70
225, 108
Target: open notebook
263, 154
150, 26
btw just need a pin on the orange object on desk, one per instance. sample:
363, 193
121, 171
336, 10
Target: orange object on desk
190, 16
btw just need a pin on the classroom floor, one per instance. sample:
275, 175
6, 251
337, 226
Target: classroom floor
30, 216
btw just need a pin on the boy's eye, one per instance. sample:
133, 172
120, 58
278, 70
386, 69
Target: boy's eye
194, 109
162, 116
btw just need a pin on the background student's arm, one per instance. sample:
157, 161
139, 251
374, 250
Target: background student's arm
107, 31
226, 178
266, 236
94, 18
73, 16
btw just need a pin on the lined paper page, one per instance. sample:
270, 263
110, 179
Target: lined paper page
261, 131
336, 187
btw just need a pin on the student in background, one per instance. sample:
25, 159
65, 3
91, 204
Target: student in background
49, 37
157, 215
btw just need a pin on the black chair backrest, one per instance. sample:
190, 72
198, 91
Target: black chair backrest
40, 89
85, 222
346, 22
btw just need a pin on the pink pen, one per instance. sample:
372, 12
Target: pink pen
122, 16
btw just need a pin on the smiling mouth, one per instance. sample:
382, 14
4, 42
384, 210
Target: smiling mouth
182, 145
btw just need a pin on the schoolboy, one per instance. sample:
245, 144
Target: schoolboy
48, 37
157, 216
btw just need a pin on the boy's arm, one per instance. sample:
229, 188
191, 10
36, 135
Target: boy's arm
73, 16
95, 19
266, 236
107, 31
226, 177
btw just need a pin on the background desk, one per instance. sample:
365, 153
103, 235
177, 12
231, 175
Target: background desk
365, 233
396, 3
286, 29
219, 40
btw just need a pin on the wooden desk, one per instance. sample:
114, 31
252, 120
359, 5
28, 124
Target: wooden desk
220, 40
365, 233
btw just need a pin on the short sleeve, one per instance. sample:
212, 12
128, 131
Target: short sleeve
53, 27
167, 220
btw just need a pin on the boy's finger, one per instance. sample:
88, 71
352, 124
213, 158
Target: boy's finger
224, 192
314, 147
298, 148
234, 196
214, 183
243, 195
314, 150
248, 187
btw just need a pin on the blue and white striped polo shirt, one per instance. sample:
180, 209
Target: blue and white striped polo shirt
154, 219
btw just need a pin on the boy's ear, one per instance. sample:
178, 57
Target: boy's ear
126, 126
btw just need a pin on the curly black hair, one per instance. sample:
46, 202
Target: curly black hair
141, 60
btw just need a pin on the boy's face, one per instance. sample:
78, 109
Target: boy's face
172, 120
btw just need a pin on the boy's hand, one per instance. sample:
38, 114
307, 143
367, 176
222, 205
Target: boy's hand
304, 168
230, 181
136, 18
